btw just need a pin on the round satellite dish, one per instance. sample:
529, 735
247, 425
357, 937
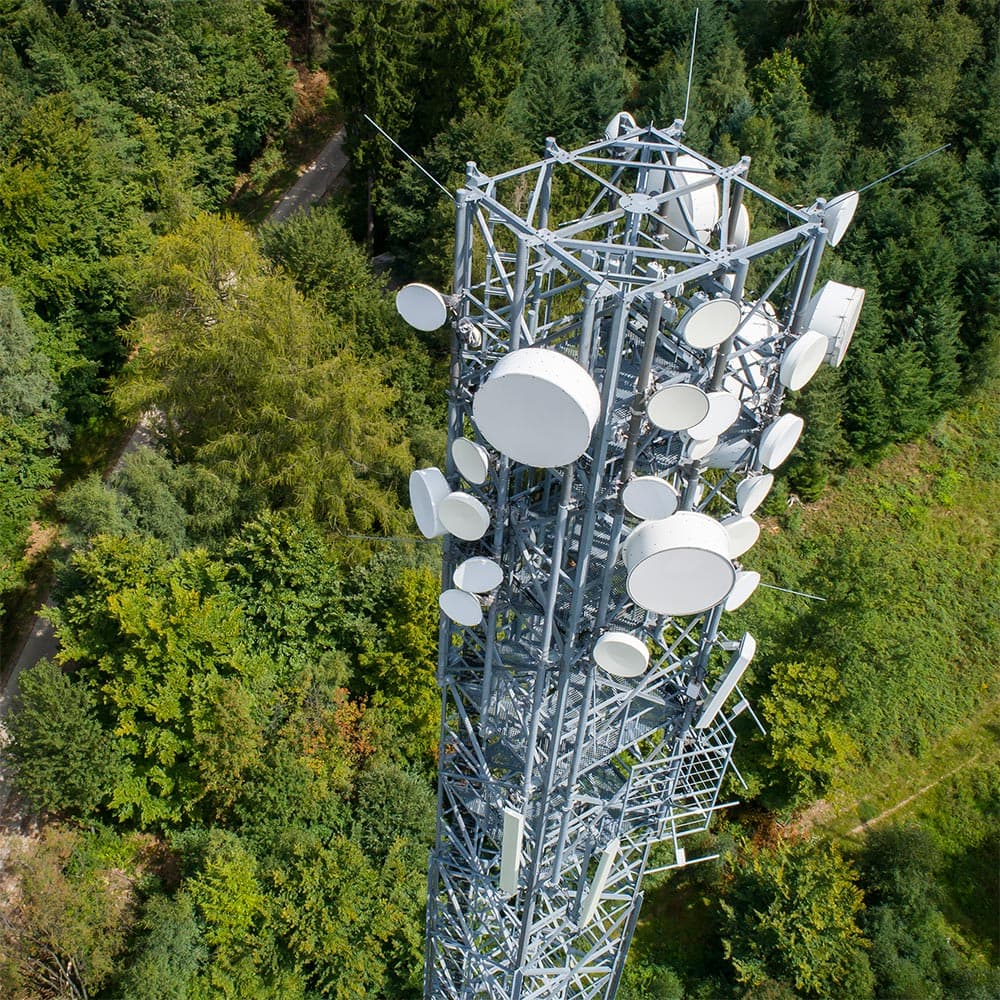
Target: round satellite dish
538, 407
710, 323
743, 533
802, 360
421, 306
752, 492
478, 575
837, 216
700, 206
621, 654
650, 498
428, 488
677, 407
472, 460
461, 607
746, 584
778, 439
723, 409
680, 565
697, 450
834, 312
741, 234
464, 516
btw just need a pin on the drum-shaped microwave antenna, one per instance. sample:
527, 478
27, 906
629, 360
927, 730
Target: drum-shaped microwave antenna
472, 460
421, 306
680, 565
621, 654
752, 492
461, 607
747, 582
837, 216
428, 488
650, 498
723, 409
538, 407
779, 438
478, 575
710, 323
743, 533
802, 360
464, 516
677, 407
834, 312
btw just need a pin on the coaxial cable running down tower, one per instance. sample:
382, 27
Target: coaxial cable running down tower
620, 351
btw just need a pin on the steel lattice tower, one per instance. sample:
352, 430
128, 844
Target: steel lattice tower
588, 700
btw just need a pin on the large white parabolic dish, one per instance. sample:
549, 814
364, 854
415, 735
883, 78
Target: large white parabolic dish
677, 407
472, 460
680, 565
650, 498
710, 323
464, 516
428, 488
779, 438
701, 205
538, 407
461, 607
421, 306
478, 575
621, 654
802, 360
834, 312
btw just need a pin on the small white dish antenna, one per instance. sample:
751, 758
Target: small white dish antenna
697, 450
464, 516
677, 407
802, 360
472, 460
538, 407
834, 312
478, 575
621, 654
747, 582
741, 234
421, 306
650, 498
428, 488
710, 323
752, 492
779, 438
743, 532
701, 206
461, 607
723, 409
621, 123
837, 216
680, 565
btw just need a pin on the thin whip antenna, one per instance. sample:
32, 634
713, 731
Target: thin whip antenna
694, 38
906, 166
797, 593
419, 167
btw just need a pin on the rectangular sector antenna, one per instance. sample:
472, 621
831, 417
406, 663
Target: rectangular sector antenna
737, 666
589, 907
510, 854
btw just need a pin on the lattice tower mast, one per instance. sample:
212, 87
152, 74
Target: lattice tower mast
621, 349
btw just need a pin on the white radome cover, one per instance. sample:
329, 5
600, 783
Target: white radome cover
709, 323
834, 311
752, 492
478, 575
464, 516
621, 654
428, 488
650, 498
472, 460
802, 360
677, 407
779, 438
423, 307
461, 607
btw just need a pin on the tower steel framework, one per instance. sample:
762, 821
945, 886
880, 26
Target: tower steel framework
558, 777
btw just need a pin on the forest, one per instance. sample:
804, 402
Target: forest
227, 777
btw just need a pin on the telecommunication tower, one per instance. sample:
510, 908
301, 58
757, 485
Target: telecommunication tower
621, 345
